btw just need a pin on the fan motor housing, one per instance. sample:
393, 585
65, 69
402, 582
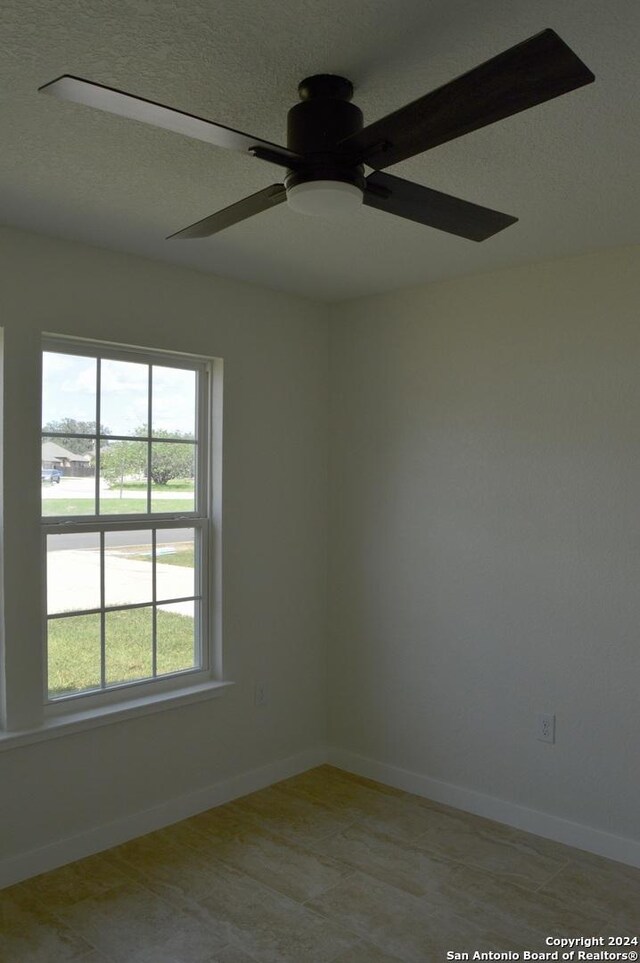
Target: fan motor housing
316, 126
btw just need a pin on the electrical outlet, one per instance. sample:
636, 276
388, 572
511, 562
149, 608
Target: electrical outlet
546, 727
261, 694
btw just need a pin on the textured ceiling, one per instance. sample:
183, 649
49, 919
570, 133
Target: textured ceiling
567, 169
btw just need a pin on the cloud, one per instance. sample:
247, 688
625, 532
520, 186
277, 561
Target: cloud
69, 391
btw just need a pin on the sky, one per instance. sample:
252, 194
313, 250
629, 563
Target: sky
69, 391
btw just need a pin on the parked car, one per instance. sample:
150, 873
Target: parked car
52, 475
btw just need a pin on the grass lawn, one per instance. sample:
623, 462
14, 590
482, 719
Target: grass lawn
177, 485
182, 553
183, 556
114, 506
74, 648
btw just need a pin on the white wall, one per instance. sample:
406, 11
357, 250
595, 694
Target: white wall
486, 534
275, 456
484, 531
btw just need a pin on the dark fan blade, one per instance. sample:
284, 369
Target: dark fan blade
536, 70
421, 204
136, 108
254, 204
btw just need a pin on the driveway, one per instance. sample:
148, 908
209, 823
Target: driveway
73, 581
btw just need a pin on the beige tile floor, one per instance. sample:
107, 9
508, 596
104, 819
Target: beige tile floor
322, 868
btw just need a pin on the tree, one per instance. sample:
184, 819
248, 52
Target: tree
70, 426
123, 459
170, 459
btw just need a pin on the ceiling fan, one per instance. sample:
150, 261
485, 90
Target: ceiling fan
328, 148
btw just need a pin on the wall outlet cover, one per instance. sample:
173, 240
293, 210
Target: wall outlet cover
261, 696
546, 727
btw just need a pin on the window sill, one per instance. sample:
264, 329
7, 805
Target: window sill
79, 721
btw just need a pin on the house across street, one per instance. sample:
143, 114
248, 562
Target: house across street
55, 456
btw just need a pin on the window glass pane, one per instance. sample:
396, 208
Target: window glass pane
128, 646
124, 397
175, 637
123, 477
73, 572
174, 402
173, 476
141, 458
68, 474
128, 568
68, 393
175, 567
73, 646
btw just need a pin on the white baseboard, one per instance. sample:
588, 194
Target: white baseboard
36, 861
530, 820
33, 862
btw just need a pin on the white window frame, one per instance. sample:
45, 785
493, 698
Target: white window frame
99, 706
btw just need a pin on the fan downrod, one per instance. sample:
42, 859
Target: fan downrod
323, 117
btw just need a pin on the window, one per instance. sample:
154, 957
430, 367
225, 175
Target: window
126, 522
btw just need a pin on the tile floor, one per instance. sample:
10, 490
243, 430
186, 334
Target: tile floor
325, 867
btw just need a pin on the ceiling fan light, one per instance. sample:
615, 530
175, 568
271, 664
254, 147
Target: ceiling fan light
333, 199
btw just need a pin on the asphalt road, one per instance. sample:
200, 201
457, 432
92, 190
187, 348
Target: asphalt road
119, 539
85, 488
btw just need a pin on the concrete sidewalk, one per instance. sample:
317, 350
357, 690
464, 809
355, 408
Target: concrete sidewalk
73, 581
